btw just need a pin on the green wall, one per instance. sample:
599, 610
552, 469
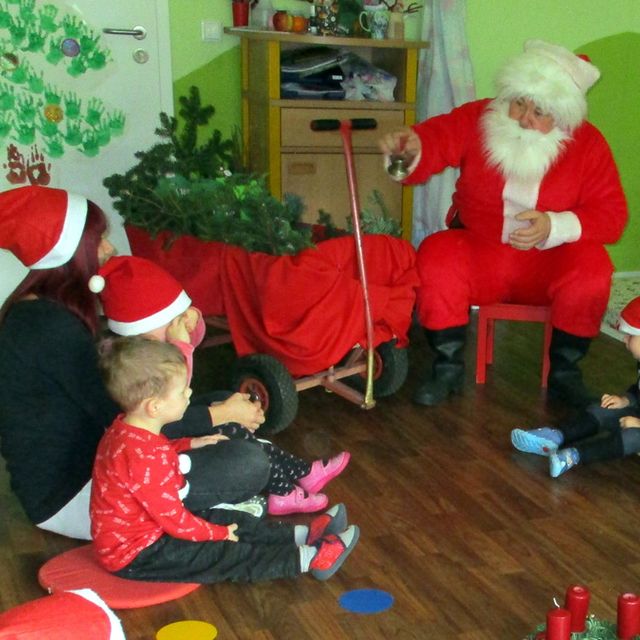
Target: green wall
214, 67
607, 31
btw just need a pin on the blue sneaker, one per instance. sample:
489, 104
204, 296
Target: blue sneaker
542, 441
562, 461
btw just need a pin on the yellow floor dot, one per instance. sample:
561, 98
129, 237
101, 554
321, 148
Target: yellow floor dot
187, 630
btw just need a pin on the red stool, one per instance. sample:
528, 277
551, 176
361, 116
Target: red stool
488, 314
78, 569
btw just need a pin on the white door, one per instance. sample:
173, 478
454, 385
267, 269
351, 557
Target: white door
81, 88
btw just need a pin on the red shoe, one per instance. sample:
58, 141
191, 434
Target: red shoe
332, 521
321, 473
333, 551
298, 501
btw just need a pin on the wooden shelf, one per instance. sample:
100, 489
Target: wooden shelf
278, 141
330, 41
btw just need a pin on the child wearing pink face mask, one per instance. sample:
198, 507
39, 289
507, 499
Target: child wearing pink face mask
141, 298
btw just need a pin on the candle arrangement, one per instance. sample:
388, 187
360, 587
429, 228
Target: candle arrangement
573, 621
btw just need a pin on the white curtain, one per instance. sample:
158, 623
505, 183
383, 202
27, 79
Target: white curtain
445, 80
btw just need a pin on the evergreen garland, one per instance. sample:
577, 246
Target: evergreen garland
596, 629
186, 189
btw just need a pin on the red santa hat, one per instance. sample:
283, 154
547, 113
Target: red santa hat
137, 295
630, 318
556, 79
41, 226
67, 615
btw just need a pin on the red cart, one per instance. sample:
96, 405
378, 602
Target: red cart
335, 316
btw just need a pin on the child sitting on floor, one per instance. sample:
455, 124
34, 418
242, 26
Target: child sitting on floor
141, 298
140, 527
602, 432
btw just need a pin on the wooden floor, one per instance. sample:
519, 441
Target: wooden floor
471, 538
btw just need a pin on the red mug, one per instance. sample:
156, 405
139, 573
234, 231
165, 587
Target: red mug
240, 14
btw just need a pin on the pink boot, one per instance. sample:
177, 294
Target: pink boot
322, 473
298, 501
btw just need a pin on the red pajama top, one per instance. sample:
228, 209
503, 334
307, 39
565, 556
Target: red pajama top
135, 495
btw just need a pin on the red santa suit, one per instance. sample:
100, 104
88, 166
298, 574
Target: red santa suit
571, 271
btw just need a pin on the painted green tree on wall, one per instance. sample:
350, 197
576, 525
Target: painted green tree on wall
38, 45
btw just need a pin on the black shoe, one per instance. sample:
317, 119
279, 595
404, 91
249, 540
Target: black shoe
437, 390
565, 378
447, 374
569, 388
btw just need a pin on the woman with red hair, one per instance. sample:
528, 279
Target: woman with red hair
54, 407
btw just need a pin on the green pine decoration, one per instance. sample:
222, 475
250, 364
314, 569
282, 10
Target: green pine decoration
190, 189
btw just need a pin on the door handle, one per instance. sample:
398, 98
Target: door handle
139, 33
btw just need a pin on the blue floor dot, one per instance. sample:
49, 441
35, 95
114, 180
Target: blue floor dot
366, 601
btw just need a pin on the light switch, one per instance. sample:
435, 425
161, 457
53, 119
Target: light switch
211, 30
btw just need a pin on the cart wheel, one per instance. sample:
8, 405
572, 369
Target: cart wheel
267, 379
391, 367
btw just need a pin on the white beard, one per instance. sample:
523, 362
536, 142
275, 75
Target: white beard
519, 153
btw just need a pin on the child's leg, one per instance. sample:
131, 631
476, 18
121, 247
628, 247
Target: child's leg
229, 471
284, 496
285, 469
546, 440
176, 560
630, 441
608, 445
266, 551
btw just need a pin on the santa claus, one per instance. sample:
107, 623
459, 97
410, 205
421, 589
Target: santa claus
537, 199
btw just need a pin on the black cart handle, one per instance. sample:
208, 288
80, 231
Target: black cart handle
331, 124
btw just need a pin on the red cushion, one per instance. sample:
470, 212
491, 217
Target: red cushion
78, 569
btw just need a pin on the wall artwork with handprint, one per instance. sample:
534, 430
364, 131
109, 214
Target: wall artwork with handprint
44, 51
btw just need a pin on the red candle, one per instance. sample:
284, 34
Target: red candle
559, 624
628, 616
577, 602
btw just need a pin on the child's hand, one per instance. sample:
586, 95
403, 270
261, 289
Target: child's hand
191, 317
630, 422
203, 441
177, 330
231, 533
614, 402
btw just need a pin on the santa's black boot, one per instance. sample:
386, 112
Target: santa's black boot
565, 378
447, 375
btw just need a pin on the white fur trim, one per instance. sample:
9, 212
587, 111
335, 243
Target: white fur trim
553, 77
96, 283
70, 235
184, 491
517, 196
162, 317
583, 73
184, 463
625, 327
117, 632
565, 227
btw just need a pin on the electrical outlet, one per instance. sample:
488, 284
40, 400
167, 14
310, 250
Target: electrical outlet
211, 30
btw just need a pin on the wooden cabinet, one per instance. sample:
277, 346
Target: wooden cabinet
278, 140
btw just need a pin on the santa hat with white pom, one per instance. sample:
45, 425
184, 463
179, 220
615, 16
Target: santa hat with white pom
66, 615
138, 295
41, 226
630, 318
556, 79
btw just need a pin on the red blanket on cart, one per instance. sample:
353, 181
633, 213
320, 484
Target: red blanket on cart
307, 310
